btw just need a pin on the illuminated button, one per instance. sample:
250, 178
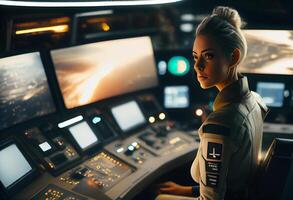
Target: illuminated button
162, 66
286, 93
120, 150
152, 119
178, 66
130, 148
199, 112
96, 120
162, 116
134, 144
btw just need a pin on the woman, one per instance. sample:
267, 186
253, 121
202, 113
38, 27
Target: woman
231, 136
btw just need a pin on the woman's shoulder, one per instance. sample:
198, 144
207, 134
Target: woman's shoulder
229, 116
229, 119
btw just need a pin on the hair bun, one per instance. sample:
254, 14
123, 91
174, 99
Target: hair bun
228, 14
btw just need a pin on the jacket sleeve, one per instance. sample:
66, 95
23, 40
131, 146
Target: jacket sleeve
216, 151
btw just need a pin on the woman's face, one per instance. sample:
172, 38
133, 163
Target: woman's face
211, 66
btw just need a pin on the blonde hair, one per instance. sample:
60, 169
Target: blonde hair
224, 24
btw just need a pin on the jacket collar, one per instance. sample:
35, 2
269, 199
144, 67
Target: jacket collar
232, 93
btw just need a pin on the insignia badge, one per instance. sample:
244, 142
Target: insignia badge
214, 151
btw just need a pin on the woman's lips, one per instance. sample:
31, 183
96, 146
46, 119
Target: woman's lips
202, 77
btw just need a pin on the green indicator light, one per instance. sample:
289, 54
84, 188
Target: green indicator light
178, 66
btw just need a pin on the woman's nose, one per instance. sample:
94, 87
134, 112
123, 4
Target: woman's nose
199, 64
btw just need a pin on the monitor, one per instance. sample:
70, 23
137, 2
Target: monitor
176, 96
269, 52
92, 72
272, 93
83, 135
14, 166
128, 116
25, 92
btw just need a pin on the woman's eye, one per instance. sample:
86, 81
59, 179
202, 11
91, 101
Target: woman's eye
208, 56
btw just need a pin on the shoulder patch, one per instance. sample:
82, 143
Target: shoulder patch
216, 129
214, 151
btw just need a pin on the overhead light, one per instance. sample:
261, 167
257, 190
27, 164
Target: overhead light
105, 27
30, 3
95, 13
56, 29
187, 17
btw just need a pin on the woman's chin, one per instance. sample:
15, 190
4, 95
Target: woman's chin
205, 85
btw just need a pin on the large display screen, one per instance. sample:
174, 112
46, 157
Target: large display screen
272, 93
83, 135
91, 72
176, 96
269, 52
13, 165
128, 115
24, 89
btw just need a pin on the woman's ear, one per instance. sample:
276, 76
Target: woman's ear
235, 57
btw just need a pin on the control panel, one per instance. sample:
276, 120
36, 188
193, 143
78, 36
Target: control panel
55, 152
53, 192
97, 174
162, 139
131, 150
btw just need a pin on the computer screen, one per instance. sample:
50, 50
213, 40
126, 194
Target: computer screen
83, 135
128, 115
269, 52
25, 92
176, 96
13, 165
272, 93
96, 71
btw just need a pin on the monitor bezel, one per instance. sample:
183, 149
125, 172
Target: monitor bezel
25, 179
76, 144
263, 29
271, 82
50, 89
133, 129
110, 97
176, 108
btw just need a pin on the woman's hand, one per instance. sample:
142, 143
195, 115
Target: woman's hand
175, 189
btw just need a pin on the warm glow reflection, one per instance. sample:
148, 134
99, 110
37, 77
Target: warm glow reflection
56, 29
105, 26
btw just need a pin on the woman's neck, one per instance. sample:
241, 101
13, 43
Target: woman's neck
228, 81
